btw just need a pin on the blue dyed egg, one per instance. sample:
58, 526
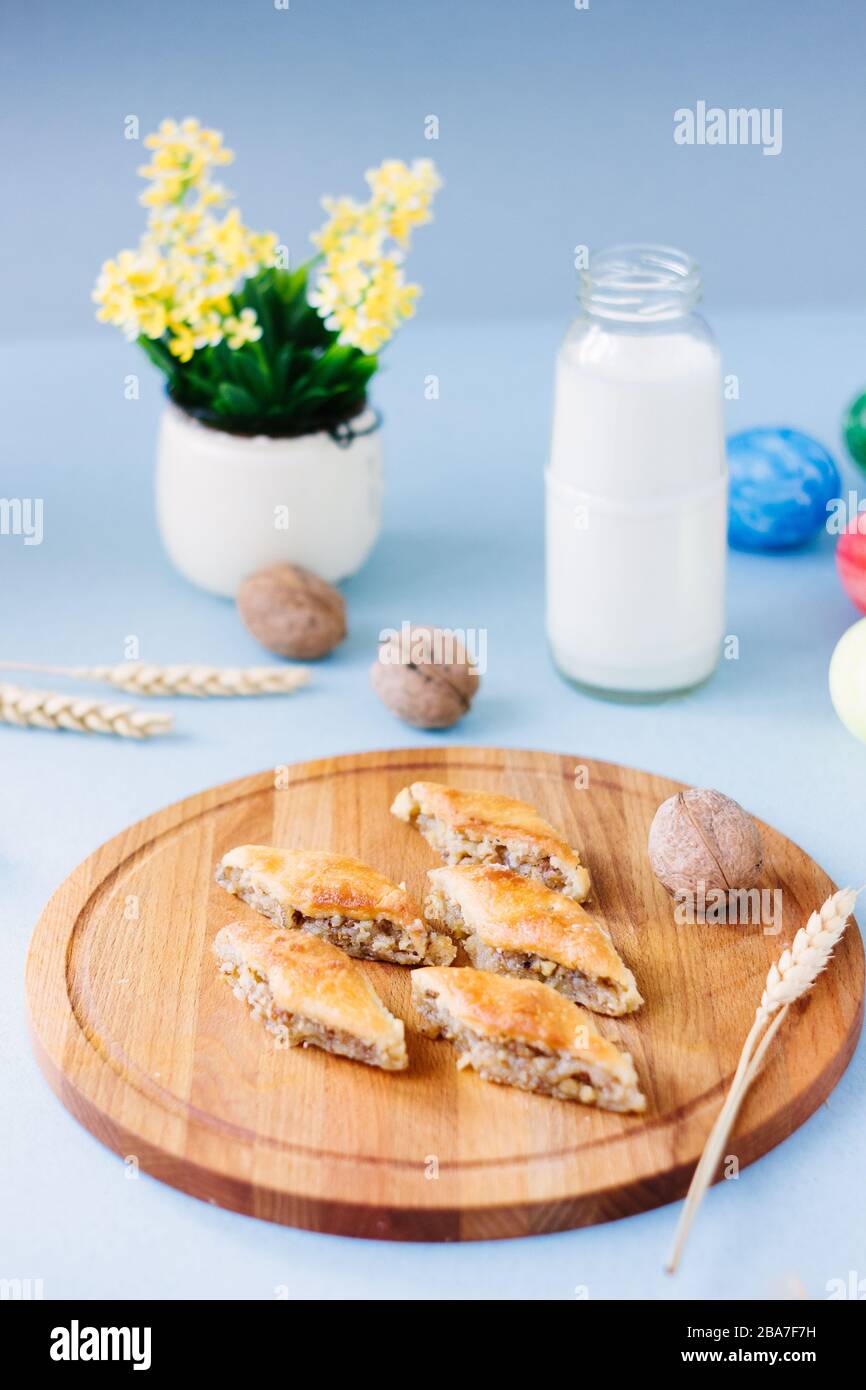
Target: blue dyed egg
780, 484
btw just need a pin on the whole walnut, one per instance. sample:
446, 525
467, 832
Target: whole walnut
424, 676
292, 612
700, 839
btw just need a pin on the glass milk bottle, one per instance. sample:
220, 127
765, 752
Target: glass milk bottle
637, 482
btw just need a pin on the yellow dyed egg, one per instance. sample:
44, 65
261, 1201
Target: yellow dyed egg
848, 679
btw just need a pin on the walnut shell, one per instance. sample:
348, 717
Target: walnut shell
700, 839
425, 677
292, 612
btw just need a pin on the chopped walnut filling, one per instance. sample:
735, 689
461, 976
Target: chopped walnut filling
365, 938
598, 994
457, 848
601, 994
508, 1062
293, 1030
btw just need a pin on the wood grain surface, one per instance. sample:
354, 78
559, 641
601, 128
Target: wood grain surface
147, 1047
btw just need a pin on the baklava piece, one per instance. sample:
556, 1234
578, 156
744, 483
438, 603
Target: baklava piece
339, 899
485, 828
511, 925
307, 992
517, 1033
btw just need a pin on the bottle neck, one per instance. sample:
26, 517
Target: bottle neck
640, 284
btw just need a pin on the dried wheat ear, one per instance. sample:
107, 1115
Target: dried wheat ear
45, 709
144, 679
788, 979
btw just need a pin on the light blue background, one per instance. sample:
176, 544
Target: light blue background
558, 130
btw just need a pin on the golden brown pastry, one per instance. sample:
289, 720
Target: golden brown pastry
340, 899
517, 1033
490, 829
511, 925
306, 991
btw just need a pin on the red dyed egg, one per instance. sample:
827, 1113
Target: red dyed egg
851, 561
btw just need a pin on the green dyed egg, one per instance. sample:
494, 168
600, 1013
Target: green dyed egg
855, 430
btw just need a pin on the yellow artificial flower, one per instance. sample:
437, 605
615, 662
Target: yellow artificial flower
182, 158
347, 278
212, 195
242, 329
394, 179
163, 192
208, 330
348, 218
406, 191
262, 247
369, 337
326, 299
360, 289
389, 300
182, 342
152, 319
178, 283
175, 143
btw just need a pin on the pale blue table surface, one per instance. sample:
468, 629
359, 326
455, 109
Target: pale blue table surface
463, 547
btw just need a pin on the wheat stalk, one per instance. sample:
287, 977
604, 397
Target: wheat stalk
42, 709
788, 979
144, 679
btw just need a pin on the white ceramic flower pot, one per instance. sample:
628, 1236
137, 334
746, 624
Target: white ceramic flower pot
227, 504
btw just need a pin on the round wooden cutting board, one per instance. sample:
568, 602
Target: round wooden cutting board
147, 1047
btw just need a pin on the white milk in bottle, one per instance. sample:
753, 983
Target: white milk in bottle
637, 482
